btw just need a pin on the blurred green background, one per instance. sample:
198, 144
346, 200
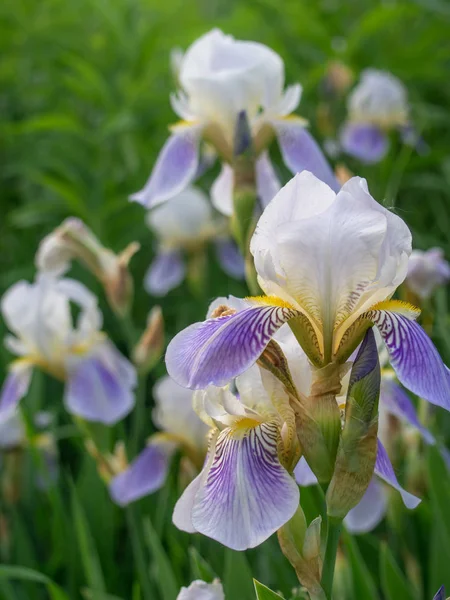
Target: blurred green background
84, 101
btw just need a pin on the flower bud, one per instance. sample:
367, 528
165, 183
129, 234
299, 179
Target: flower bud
149, 348
108, 465
72, 240
427, 271
355, 461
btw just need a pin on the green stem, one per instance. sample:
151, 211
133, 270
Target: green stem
333, 534
139, 421
142, 566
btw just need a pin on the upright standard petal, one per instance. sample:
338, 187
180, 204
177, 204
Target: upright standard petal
222, 191
364, 141
165, 273
267, 183
199, 590
216, 350
175, 168
301, 152
230, 259
145, 475
100, 386
412, 354
385, 470
245, 494
14, 387
370, 511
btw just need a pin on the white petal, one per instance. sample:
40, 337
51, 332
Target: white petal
222, 191
199, 590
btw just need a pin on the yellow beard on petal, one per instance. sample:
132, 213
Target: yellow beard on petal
270, 301
398, 306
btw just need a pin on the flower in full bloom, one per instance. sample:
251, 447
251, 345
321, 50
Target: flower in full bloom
180, 428
199, 590
329, 265
72, 240
99, 381
376, 106
427, 270
219, 78
183, 227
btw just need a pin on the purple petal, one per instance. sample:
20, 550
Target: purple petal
14, 387
366, 142
303, 474
385, 470
440, 594
244, 494
145, 475
175, 167
100, 387
216, 350
301, 152
395, 400
413, 356
267, 182
166, 272
230, 258
369, 512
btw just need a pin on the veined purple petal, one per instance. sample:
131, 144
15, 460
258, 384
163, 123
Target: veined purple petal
166, 272
175, 167
145, 475
440, 594
385, 470
370, 511
303, 474
100, 386
216, 350
396, 401
302, 153
364, 141
244, 494
267, 182
230, 258
14, 387
413, 356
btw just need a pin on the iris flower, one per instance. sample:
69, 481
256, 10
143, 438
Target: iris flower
199, 590
219, 78
98, 380
427, 270
329, 265
376, 106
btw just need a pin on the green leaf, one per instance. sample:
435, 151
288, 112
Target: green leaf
363, 583
199, 567
393, 582
163, 573
265, 593
237, 578
24, 574
87, 548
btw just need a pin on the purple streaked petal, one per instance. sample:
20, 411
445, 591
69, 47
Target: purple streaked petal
230, 259
395, 400
303, 474
301, 152
267, 182
370, 511
216, 350
145, 475
14, 387
166, 272
440, 594
175, 167
246, 494
100, 387
413, 356
366, 142
385, 470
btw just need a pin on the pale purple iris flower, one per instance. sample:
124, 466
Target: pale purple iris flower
199, 590
329, 264
98, 380
376, 106
219, 78
180, 429
183, 226
427, 271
